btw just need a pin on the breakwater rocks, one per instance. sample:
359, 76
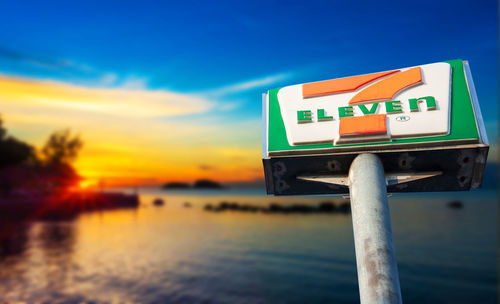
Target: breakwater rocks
199, 184
341, 206
455, 204
64, 206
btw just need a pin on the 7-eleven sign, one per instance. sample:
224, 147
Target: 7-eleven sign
421, 121
369, 108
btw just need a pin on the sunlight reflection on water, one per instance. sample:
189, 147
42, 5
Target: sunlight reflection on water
173, 254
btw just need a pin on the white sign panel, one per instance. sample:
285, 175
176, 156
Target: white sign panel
402, 103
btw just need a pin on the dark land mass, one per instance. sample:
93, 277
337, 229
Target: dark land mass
176, 185
199, 184
338, 206
455, 205
63, 206
40, 184
207, 184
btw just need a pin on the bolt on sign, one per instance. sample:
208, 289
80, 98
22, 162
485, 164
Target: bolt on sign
423, 122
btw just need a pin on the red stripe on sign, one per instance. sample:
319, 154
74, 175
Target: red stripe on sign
387, 88
340, 85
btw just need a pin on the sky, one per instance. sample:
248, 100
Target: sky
171, 90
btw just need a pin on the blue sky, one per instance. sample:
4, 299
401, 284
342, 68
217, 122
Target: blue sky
197, 46
230, 52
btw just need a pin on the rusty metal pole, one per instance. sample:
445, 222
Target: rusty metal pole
378, 277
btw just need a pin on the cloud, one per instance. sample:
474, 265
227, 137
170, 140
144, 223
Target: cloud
126, 138
248, 85
134, 83
125, 102
228, 106
78, 73
205, 167
107, 80
42, 61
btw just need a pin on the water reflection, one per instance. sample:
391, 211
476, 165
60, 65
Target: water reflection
56, 241
172, 254
13, 238
14, 241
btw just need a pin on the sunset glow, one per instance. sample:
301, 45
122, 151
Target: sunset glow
130, 136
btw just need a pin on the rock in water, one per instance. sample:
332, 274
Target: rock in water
158, 202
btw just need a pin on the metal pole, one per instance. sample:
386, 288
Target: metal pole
378, 277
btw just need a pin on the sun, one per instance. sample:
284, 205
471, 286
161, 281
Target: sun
85, 184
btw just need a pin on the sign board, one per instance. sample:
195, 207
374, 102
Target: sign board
421, 121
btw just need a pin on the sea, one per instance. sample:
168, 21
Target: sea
180, 253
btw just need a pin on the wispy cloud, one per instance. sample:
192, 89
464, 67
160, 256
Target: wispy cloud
42, 61
123, 140
76, 72
128, 102
133, 82
248, 84
107, 80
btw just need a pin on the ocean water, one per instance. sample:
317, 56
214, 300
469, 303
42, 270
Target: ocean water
173, 254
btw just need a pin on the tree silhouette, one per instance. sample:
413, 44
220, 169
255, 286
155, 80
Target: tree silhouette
14, 151
21, 168
61, 148
3, 132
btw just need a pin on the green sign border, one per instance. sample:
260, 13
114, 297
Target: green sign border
463, 122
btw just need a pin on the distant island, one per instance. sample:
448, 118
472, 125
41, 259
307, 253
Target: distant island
199, 184
176, 185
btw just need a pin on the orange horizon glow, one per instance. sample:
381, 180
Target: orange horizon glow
129, 135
